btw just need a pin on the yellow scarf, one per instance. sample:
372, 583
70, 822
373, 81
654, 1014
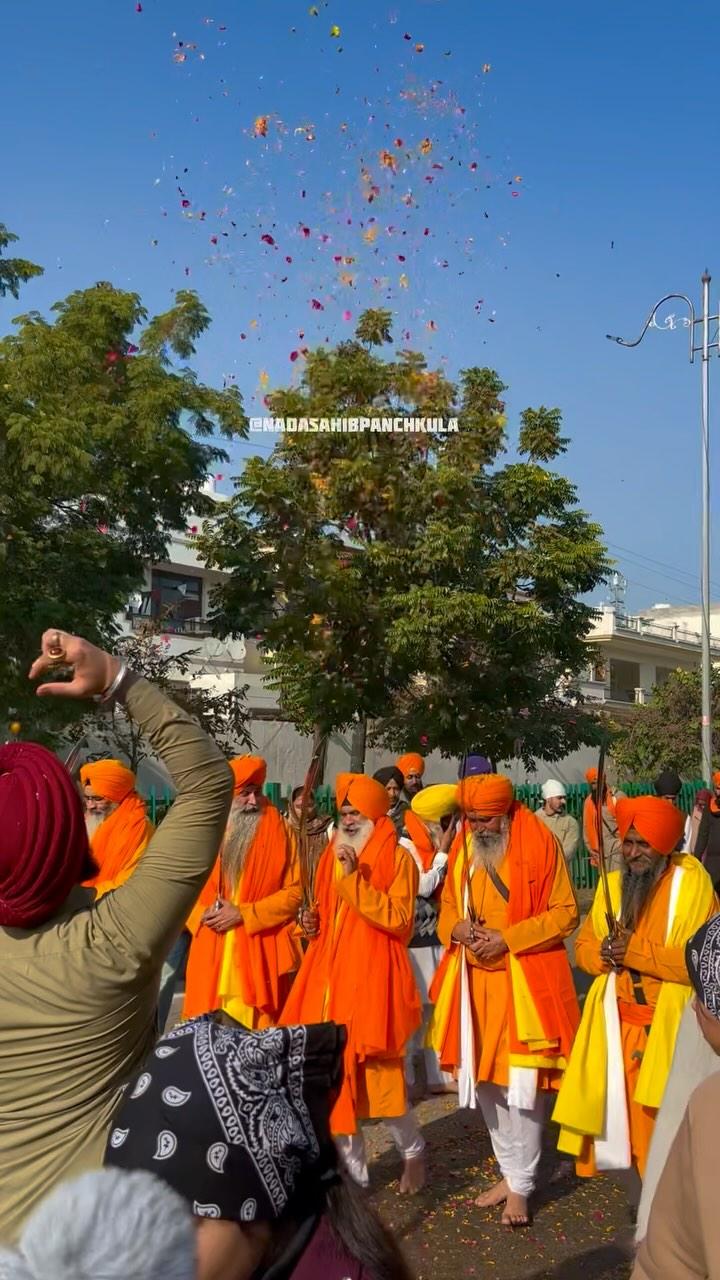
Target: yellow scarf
582, 1101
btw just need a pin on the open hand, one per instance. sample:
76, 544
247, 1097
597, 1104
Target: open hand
222, 916
93, 670
347, 857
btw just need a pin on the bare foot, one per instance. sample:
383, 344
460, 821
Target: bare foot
497, 1194
515, 1213
413, 1176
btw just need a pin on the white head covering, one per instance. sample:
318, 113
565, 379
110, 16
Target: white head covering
552, 789
108, 1224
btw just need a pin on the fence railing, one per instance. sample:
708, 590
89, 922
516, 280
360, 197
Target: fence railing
584, 875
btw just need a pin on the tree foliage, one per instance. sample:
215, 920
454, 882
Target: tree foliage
106, 440
666, 732
223, 715
14, 271
413, 579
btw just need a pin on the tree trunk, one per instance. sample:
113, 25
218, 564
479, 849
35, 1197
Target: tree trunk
357, 746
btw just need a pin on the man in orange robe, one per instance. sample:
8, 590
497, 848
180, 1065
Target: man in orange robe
244, 951
621, 1060
611, 840
505, 1005
356, 971
117, 822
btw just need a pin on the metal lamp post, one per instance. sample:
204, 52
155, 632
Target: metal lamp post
704, 346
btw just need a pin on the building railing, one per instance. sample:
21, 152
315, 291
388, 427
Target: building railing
584, 874
173, 626
672, 631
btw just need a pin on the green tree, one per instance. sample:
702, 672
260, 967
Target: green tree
666, 732
106, 440
411, 578
224, 715
14, 271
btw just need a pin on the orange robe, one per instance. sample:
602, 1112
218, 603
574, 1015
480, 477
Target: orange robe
533, 856
247, 971
611, 840
648, 956
357, 972
118, 843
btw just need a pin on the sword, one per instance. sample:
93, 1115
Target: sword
472, 915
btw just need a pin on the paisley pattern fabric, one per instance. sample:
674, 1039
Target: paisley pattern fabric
231, 1118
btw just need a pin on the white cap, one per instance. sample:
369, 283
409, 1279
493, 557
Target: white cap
552, 789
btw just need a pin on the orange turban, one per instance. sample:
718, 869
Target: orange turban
108, 779
411, 763
248, 771
591, 776
488, 794
364, 794
716, 779
658, 822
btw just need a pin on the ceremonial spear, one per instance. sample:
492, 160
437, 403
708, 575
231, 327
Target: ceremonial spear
306, 862
602, 865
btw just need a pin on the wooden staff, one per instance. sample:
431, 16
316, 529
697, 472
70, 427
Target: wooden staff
472, 916
602, 864
306, 861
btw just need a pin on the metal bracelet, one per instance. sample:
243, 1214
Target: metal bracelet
112, 689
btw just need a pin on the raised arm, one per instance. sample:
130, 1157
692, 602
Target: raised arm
146, 913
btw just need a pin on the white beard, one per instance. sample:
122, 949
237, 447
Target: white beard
240, 832
489, 848
357, 839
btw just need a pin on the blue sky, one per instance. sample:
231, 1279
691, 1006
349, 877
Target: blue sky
579, 183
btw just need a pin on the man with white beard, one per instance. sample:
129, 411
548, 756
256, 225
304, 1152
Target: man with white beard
505, 1006
244, 949
356, 972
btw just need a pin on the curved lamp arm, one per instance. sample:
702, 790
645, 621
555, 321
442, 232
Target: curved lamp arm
681, 297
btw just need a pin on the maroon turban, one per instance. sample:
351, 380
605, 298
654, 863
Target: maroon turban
43, 840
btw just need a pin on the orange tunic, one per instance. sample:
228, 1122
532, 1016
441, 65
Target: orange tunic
357, 972
490, 985
648, 956
247, 971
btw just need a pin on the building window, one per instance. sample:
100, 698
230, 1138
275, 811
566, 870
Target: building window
624, 680
175, 597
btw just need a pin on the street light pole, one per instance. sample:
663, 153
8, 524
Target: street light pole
705, 346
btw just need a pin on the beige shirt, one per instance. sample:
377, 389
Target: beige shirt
683, 1236
78, 994
565, 828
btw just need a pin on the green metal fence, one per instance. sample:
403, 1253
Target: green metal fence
583, 873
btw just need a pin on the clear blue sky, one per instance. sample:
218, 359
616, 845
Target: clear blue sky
599, 117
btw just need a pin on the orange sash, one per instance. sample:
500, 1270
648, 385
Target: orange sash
260, 958
366, 971
119, 840
421, 838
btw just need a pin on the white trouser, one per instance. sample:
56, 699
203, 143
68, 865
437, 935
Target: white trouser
405, 1133
516, 1135
434, 1076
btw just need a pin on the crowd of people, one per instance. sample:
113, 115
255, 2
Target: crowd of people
336, 968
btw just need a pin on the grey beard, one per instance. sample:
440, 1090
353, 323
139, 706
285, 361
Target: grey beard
357, 839
92, 822
489, 847
636, 890
240, 833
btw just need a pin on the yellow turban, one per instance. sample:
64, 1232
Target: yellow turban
364, 794
411, 763
488, 794
433, 803
248, 771
109, 779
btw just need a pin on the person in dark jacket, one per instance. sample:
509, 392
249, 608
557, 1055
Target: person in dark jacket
393, 781
237, 1123
707, 845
